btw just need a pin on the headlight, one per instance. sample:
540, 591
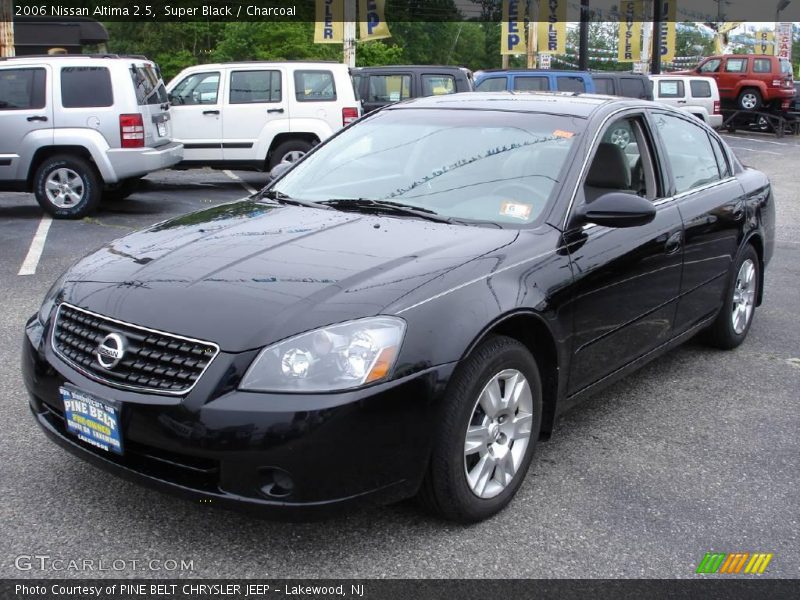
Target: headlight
50, 299
337, 357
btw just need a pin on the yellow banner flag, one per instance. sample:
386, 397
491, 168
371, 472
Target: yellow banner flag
329, 27
372, 19
552, 27
669, 10
765, 42
630, 32
512, 27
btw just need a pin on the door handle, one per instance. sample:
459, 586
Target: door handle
738, 212
31, 119
275, 110
681, 101
673, 243
210, 112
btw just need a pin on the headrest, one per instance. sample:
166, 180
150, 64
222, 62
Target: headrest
609, 168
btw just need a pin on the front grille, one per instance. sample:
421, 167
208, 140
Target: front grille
153, 360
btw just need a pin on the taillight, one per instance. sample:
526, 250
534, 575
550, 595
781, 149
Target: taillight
349, 115
131, 130
716, 107
776, 83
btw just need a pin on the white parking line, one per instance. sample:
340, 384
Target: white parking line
235, 177
754, 150
760, 141
37, 246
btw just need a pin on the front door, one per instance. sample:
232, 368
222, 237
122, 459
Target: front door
26, 114
197, 116
626, 279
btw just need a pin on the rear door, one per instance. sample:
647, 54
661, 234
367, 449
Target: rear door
257, 98
26, 111
196, 113
151, 96
734, 71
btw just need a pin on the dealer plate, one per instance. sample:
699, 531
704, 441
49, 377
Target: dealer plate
93, 420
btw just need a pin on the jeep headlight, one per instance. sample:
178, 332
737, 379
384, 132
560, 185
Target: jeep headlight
332, 358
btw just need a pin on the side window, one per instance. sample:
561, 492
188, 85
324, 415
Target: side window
438, 85
492, 84
357, 84
722, 158
669, 88
712, 66
762, 65
148, 85
689, 152
389, 88
786, 66
736, 65
631, 87
22, 89
199, 88
570, 84
700, 88
255, 87
622, 162
314, 86
531, 84
86, 87
604, 85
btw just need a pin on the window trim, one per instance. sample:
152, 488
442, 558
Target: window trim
44, 90
271, 72
298, 98
219, 83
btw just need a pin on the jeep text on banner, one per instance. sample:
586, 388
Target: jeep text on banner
669, 10
512, 33
372, 17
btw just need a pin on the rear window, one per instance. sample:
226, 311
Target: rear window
671, 89
86, 87
255, 87
438, 85
604, 85
389, 88
148, 85
492, 84
314, 86
632, 87
570, 84
786, 67
736, 65
700, 89
22, 89
531, 84
762, 65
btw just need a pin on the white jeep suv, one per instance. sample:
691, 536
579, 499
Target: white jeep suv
255, 115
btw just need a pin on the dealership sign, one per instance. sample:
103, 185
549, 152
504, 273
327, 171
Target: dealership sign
783, 40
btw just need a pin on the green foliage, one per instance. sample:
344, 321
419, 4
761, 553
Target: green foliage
373, 54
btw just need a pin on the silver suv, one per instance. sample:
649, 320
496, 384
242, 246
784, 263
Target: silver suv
77, 128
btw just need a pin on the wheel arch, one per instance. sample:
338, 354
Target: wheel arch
46, 152
288, 136
530, 329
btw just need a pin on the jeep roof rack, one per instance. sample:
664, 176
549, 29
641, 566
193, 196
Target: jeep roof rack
135, 56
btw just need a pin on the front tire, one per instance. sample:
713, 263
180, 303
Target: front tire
750, 99
491, 420
289, 151
734, 319
67, 187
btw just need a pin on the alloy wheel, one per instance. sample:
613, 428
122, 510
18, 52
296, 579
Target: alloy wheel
744, 293
498, 433
293, 156
749, 101
64, 187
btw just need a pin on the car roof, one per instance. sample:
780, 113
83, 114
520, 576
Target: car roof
531, 71
254, 63
568, 103
419, 67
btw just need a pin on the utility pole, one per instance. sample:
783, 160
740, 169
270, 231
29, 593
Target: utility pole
658, 17
6, 28
583, 37
533, 15
350, 33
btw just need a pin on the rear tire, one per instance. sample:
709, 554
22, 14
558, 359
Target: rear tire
736, 315
472, 477
289, 151
67, 187
750, 99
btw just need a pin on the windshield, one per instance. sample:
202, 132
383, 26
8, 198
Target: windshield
494, 166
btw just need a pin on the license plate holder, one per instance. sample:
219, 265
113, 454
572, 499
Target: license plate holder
92, 419
162, 128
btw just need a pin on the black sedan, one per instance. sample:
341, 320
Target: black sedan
408, 309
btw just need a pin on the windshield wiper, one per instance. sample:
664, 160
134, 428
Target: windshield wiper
386, 206
285, 199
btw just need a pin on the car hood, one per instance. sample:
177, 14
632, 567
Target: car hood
247, 274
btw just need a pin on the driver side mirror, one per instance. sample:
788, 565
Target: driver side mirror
619, 209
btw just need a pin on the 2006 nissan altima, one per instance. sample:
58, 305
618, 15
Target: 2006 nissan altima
408, 309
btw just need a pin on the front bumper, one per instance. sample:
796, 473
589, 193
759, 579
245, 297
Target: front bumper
133, 162
225, 446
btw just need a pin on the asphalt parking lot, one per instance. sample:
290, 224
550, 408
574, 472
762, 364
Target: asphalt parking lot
697, 452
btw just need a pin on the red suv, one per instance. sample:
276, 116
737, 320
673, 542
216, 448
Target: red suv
750, 80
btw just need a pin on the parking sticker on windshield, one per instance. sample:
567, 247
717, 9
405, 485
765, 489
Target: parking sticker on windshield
516, 210
563, 134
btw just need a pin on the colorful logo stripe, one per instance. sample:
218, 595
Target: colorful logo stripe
733, 563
